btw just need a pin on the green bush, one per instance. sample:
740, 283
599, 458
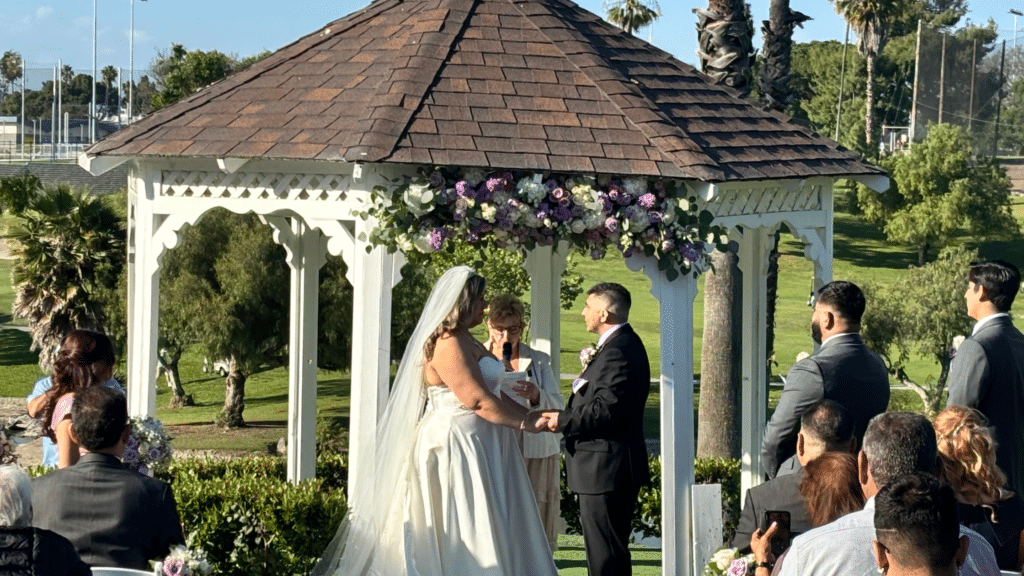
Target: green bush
250, 520
647, 516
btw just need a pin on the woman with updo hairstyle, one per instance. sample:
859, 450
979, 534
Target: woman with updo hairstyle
506, 322
830, 487
85, 359
967, 455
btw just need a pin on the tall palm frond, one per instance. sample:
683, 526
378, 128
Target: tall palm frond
631, 15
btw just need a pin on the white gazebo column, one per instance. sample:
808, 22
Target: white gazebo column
144, 296
675, 300
373, 274
306, 249
754, 246
545, 265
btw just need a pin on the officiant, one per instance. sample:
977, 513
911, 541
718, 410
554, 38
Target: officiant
506, 320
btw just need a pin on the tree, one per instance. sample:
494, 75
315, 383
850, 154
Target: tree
181, 73
725, 37
815, 85
11, 68
926, 316
1013, 118
631, 15
872, 21
66, 74
776, 56
17, 191
109, 75
938, 190
68, 246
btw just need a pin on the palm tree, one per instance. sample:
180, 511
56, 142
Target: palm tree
68, 247
871, 20
631, 15
11, 68
725, 43
777, 53
109, 74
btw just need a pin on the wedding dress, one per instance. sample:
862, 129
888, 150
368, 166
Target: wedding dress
450, 495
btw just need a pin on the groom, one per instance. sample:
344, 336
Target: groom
606, 458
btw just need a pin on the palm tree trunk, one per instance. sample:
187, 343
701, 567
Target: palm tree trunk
718, 414
777, 53
725, 43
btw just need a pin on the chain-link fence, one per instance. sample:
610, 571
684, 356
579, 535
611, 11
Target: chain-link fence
46, 112
973, 84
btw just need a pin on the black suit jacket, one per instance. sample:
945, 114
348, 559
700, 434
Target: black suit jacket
843, 370
988, 374
781, 493
603, 421
112, 515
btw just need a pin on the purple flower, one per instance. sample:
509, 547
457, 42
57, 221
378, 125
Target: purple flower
437, 236
484, 192
459, 214
543, 211
647, 201
495, 184
651, 234
628, 252
486, 227
551, 185
597, 253
513, 204
505, 224
629, 212
578, 210
436, 180
614, 195
659, 187
133, 441
592, 236
154, 454
562, 214
473, 236
654, 216
448, 195
463, 189
689, 251
174, 567
611, 225
130, 455
559, 194
737, 568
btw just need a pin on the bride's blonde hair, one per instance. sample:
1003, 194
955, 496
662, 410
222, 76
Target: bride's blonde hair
967, 451
461, 313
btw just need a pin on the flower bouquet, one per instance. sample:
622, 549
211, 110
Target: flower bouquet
729, 562
183, 561
148, 445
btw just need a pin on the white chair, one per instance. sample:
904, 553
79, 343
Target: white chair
97, 571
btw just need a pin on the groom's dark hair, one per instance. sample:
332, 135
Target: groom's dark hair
616, 296
1000, 279
98, 417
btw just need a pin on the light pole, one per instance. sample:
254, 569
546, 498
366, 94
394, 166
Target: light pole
92, 104
1015, 14
131, 64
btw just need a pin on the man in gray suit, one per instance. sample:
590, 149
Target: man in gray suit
988, 370
112, 515
824, 427
843, 370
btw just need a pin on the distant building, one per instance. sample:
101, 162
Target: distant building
9, 126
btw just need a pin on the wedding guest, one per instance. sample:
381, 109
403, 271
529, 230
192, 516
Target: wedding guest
28, 550
916, 529
830, 488
85, 359
506, 319
967, 452
824, 427
112, 515
895, 444
843, 369
988, 370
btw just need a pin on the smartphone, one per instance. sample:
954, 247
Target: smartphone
780, 542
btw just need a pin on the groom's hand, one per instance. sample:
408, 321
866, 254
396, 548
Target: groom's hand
551, 417
538, 421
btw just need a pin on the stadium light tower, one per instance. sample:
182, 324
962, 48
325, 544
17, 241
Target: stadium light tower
1015, 14
131, 66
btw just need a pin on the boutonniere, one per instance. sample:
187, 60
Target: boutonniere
587, 354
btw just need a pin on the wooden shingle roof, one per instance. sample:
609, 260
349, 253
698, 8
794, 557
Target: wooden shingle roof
502, 84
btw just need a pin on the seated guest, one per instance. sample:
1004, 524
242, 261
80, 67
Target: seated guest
824, 427
830, 488
916, 528
895, 444
967, 451
28, 550
112, 515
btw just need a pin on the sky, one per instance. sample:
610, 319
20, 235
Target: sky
48, 30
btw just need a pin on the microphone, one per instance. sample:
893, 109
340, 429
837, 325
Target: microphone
506, 352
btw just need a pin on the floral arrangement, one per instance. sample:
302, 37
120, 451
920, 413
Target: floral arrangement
587, 354
148, 445
520, 211
729, 562
183, 561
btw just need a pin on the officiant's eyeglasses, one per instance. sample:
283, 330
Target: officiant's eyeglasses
512, 330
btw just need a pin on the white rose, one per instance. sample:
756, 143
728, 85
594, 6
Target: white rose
635, 186
577, 226
532, 221
404, 244
500, 198
419, 198
668, 217
488, 211
474, 176
422, 243
684, 204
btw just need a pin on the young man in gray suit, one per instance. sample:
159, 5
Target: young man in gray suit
112, 515
843, 370
988, 369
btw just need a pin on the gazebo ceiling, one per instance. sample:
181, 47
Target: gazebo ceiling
510, 84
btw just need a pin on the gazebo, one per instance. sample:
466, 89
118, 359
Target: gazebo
303, 136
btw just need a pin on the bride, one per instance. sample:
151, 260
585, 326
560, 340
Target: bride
450, 494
